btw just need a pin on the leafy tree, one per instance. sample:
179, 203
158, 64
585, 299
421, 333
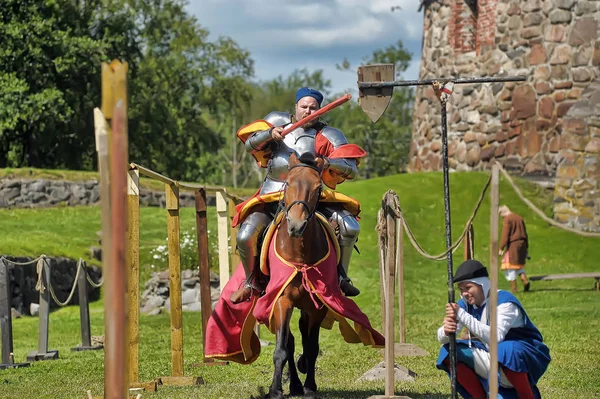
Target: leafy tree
50, 73
387, 141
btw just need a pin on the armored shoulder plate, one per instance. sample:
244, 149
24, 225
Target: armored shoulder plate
335, 136
278, 118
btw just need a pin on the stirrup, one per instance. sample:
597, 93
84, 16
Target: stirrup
347, 288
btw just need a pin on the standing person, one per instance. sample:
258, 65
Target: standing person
522, 355
271, 150
514, 245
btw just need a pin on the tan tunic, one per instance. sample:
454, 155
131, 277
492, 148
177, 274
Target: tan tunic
514, 240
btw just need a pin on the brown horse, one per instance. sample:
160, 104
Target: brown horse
299, 240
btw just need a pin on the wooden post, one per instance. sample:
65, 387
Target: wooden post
5, 314
133, 274
172, 199
382, 271
113, 185
493, 296
84, 311
42, 353
400, 263
390, 263
203, 263
469, 243
235, 257
222, 219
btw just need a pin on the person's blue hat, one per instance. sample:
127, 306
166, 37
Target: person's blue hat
308, 92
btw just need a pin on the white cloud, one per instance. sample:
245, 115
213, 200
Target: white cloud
284, 35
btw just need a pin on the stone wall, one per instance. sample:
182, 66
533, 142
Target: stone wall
41, 193
577, 188
62, 274
156, 296
553, 43
538, 127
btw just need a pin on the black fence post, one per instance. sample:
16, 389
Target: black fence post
43, 353
84, 310
6, 320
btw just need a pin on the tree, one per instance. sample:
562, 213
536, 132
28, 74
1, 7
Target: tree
388, 141
50, 73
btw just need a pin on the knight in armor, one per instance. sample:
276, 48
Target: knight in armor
264, 141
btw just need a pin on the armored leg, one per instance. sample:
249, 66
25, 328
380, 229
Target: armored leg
247, 245
349, 228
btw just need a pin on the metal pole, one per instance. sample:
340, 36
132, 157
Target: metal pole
84, 311
448, 242
365, 85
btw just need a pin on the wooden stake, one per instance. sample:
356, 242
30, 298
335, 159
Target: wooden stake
112, 165
133, 273
223, 229
203, 262
172, 199
390, 263
493, 296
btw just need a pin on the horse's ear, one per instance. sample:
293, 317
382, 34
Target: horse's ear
293, 159
319, 162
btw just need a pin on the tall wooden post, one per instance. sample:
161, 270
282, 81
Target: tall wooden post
493, 296
400, 266
133, 273
203, 263
112, 162
172, 197
390, 263
223, 229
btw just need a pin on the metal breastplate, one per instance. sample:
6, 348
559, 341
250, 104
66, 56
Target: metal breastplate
299, 141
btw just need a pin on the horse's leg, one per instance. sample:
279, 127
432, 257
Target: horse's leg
295, 383
282, 315
310, 344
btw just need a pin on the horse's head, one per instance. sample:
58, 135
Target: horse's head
303, 188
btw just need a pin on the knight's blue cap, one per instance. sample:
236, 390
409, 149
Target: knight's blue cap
308, 92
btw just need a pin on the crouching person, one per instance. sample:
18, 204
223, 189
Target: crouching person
522, 355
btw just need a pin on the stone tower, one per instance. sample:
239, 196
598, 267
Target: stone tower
548, 125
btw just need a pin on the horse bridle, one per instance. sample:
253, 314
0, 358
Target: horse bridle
302, 202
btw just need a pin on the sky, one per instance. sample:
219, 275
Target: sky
285, 35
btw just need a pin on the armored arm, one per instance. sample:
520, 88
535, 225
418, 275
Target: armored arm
259, 140
345, 167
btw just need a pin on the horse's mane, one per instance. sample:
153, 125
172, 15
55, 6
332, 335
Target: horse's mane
307, 158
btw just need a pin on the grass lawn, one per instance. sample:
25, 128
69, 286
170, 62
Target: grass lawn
566, 312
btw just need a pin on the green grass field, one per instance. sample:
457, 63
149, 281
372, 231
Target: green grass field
567, 312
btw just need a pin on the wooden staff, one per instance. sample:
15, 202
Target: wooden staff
317, 114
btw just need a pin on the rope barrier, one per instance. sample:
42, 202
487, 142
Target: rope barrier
22, 263
539, 212
65, 303
89, 278
40, 286
399, 214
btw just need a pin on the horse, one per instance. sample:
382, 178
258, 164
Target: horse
300, 240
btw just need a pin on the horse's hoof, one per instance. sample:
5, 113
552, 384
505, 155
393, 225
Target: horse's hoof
275, 395
301, 364
296, 390
309, 393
